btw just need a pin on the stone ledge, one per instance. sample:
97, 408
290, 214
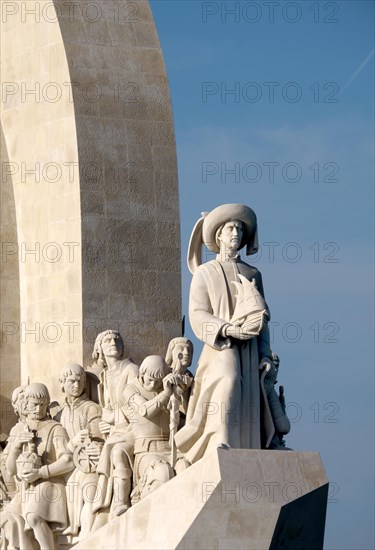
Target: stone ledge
233, 499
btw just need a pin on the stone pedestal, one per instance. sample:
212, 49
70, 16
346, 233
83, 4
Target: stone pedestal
231, 499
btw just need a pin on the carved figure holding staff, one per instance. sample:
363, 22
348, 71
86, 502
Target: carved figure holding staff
179, 357
146, 400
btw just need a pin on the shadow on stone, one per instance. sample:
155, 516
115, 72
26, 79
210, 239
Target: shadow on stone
301, 523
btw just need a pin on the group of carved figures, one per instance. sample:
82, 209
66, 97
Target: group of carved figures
108, 446
122, 430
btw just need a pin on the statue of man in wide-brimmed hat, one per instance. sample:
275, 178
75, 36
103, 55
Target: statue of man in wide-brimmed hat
227, 311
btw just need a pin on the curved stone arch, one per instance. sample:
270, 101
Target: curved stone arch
101, 209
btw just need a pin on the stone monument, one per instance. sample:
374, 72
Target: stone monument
89, 191
221, 478
235, 346
130, 457
240, 487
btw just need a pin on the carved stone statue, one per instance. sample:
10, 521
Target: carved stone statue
179, 357
40, 457
275, 405
12, 524
123, 431
226, 406
115, 463
18, 406
146, 404
80, 417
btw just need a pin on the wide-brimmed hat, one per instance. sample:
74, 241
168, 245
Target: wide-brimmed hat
207, 226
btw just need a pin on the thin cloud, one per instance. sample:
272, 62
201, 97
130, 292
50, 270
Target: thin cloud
357, 71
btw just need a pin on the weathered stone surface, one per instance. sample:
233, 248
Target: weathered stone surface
88, 127
9, 297
229, 499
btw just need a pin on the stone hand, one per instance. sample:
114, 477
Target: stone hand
93, 451
183, 381
256, 326
265, 363
80, 437
31, 476
168, 382
24, 438
104, 427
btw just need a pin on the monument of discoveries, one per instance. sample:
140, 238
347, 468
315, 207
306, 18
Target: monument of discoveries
109, 440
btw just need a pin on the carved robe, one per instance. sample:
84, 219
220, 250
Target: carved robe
47, 498
110, 393
12, 523
12, 484
225, 403
149, 420
81, 414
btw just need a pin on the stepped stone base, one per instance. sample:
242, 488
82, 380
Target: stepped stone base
231, 499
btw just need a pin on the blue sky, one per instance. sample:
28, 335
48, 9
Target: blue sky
297, 134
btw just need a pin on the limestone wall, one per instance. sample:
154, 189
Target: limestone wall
40, 133
88, 127
10, 360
